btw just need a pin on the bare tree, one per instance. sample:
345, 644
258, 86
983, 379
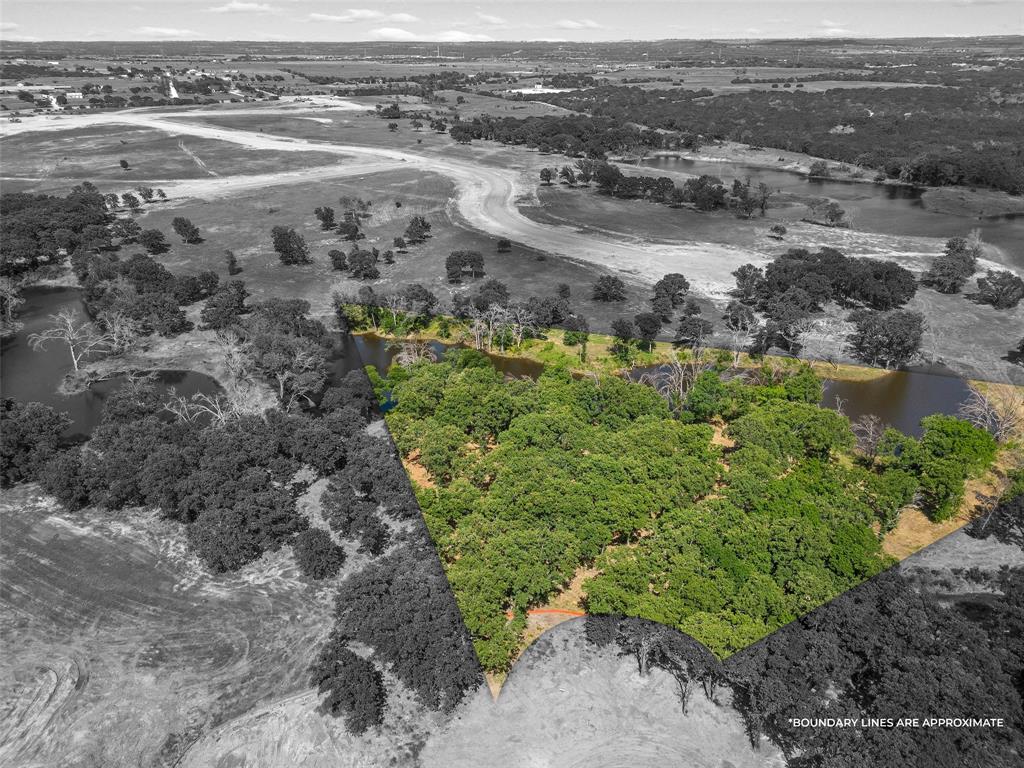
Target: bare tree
10, 300
218, 409
674, 379
520, 322
414, 351
81, 338
394, 304
123, 331
868, 430
998, 408
821, 338
496, 319
478, 328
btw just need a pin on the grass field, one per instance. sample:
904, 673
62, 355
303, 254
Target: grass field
242, 223
56, 161
719, 79
127, 649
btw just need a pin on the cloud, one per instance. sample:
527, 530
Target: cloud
577, 24
235, 6
456, 36
165, 32
363, 14
833, 29
489, 18
394, 34
8, 30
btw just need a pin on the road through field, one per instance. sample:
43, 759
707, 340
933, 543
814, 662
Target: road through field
486, 198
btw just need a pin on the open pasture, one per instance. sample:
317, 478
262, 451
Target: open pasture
128, 649
55, 161
242, 223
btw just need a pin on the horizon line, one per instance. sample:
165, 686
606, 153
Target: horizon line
810, 38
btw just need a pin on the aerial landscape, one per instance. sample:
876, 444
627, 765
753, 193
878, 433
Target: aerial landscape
421, 385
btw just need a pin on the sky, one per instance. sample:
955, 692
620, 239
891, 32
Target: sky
466, 20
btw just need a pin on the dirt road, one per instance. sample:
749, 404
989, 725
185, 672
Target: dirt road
486, 198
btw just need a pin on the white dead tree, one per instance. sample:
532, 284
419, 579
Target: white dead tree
822, 338
520, 322
673, 380
123, 331
478, 328
497, 319
81, 338
414, 351
998, 408
868, 431
10, 300
218, 409
394, 303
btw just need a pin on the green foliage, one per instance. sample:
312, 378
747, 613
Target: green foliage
533, 480
793, 430
950, 451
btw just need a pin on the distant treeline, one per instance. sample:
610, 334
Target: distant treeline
572, 135
930, 136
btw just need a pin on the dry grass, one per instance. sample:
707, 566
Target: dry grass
417, 472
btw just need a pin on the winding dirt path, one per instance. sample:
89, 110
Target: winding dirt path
486, 197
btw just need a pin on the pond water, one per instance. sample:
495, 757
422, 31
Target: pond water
360, 350
900, 398
883, 208
34, 376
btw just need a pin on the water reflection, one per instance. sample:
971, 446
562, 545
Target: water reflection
899, 398
884, 208
360, 350
29, 375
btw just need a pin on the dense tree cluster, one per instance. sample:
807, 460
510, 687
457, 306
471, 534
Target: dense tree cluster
954, 267
888, 339
40, 230
887, 649
462, 263
575, 135
928, 136
609, 288
30, 438
531, 480
1000, 288
949, 452
139, 293
223, 473
353, 688
317, 555
890, 648
400, 604
225, 479
186, 230
797, 285
290, 245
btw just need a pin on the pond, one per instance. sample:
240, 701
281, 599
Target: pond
883, 208
900, 398
360, 350
34, 376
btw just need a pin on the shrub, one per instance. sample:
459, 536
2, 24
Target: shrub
317, 555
